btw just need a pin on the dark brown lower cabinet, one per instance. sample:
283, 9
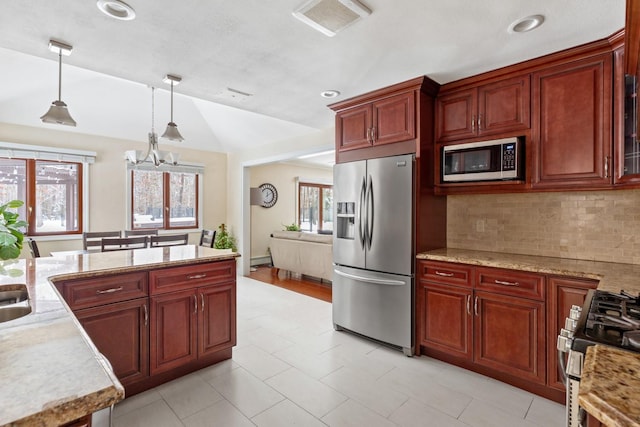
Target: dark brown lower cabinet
564, 292
510, 335
501, 323
152, 334
120, 331
445, 320
191, 324
173, 330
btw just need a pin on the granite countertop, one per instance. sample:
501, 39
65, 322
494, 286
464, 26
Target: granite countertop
612, 277
609, 386
50, 371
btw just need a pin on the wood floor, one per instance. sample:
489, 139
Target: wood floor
302, 284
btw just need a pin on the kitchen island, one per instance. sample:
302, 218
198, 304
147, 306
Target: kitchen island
50, 370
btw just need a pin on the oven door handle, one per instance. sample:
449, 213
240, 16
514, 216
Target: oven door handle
562, 366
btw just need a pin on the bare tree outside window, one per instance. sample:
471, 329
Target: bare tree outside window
315, 203
51, 191
164, 200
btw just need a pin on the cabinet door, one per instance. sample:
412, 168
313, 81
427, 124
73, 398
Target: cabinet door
394, 119
173, 330
120, 331
456, 115
572, 124
445, 319
353, 128
217, 323
504, 106
510, 335
563, 293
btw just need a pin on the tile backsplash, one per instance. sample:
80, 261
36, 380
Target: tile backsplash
594, 225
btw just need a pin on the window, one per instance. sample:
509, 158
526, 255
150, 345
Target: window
316, 207
156, 192
51, 190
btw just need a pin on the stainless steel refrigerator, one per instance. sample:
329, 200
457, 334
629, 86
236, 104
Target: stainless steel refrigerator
373, 249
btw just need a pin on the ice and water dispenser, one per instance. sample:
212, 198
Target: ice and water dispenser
346, 217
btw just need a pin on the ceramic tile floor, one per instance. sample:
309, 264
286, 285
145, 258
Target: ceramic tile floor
290, 368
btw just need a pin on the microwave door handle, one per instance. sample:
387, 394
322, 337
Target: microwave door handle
361, 214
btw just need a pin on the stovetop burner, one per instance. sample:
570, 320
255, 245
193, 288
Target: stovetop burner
613, 319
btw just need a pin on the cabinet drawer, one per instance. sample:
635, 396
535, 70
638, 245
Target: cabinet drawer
83, 293
510, 282
445, 272
178, 278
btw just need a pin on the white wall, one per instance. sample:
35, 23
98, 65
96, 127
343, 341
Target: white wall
107, 177
238, 209
283, 176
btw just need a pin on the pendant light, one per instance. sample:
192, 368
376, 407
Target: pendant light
157, 156
172, 133
58, 112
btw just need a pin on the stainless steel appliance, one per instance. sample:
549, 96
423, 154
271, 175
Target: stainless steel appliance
500, 159
373, 249
605, 318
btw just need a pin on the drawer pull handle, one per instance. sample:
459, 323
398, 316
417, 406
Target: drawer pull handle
500, 282
109, 291
439, 273
197, 276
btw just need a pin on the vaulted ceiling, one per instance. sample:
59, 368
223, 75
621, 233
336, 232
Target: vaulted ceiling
259, 48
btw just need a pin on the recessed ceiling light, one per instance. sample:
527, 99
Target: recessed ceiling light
526, 24
116, 9
329, 93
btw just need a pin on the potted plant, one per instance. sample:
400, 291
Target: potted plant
292, 227
224, 240
11, 236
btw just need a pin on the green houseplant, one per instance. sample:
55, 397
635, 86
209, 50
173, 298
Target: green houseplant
292, 227
224, 240
11, 236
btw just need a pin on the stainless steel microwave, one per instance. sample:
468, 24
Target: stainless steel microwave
496, 160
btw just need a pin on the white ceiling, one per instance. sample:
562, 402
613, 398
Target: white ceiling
258, 47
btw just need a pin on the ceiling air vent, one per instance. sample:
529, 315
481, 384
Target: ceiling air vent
331, 16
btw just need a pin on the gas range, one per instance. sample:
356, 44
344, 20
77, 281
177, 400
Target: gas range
610, 319
606, 318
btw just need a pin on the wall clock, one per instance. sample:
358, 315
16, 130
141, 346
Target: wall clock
269, 195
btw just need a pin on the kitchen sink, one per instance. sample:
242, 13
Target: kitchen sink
12, 296
11, 313
14, 302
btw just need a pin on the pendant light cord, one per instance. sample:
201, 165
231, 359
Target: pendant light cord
152, 109
171, 101
60, 75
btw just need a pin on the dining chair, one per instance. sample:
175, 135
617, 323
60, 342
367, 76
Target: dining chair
93, 239
33, 248
123, 243
169, 240
143, 232
207, 237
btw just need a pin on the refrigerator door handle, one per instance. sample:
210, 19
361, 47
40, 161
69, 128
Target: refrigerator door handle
370, 212
361, 215
370, 279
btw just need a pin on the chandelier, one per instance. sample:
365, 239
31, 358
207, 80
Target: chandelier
154, 154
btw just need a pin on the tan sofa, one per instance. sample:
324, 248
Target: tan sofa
305, 253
